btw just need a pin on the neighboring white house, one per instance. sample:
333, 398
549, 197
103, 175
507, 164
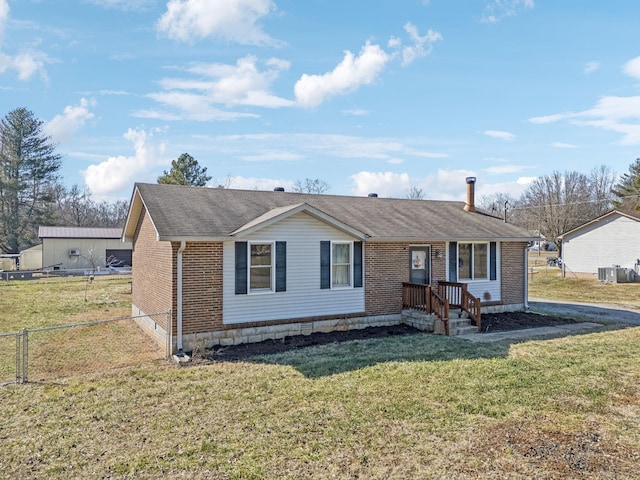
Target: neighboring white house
611, 240
69, 248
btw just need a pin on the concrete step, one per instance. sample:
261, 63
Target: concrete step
464, 330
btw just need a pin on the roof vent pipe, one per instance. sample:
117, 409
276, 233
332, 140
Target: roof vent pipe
278, 189
471, 193
373, 195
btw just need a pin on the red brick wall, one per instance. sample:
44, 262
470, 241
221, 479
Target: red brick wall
386, 267
202, 287
152, 276
513, 272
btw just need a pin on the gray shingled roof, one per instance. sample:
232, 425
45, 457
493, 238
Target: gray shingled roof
78, 232
195, 213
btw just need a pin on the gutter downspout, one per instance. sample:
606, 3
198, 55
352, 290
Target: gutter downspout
526, 279
183, 245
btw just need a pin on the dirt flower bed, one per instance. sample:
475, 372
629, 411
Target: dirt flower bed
491, 322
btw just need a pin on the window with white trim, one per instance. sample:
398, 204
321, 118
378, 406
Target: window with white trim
473, 261
261, 267
341, 264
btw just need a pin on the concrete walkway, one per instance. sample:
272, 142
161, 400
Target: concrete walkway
527, 333
589, 311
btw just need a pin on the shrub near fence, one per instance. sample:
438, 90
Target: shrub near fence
46, 353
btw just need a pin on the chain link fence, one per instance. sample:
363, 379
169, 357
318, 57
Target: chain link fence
47, 353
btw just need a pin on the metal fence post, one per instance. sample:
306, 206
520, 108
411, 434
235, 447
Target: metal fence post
18, 356
25, 354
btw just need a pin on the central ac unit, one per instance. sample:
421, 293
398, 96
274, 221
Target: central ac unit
74, 252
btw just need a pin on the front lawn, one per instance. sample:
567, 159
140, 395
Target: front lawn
548, 282
420, 406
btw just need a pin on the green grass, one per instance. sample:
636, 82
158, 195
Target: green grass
62, 301
441, 408
421, 406
549, 283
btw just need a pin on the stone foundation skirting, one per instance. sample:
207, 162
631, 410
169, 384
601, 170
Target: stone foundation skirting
513, 307
150, 326
237, 336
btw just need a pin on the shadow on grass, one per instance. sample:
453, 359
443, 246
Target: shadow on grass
335, 358
341, 357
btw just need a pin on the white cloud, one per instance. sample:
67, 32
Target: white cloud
124, 4
385, 184
4, 16
242, 84
443, 185
591, 67
270, 156
230, 20
422, 45
499, 134
321, 146
514, 189
356, 112
563, 145
118, 174
28, 61
496, 10
255, 183
62, 127
504, 169
556, 117
616, 114
347, 76
632, 67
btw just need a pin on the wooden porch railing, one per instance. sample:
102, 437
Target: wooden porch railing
459, 297
427, 299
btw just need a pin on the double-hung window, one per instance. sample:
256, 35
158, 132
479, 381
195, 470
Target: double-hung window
473, 260
260, 267
341, 264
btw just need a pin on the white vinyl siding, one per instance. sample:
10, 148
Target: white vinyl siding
303, 297
615, 240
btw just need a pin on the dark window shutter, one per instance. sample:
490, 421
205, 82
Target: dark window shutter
357, 264
453, 261
493, 274
281, 266
241, 268
325, 264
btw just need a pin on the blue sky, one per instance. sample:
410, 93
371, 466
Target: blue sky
370, 96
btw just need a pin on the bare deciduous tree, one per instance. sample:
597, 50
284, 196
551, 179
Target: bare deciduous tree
415, 193
311, 185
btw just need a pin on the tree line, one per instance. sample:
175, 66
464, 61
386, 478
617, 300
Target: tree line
31, 193
561, 201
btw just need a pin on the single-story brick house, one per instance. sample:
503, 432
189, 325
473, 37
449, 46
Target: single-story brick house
238, 266
608, 240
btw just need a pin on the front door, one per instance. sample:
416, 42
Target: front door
420, 268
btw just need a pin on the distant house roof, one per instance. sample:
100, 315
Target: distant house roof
212, 214
631, 215
79, 232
